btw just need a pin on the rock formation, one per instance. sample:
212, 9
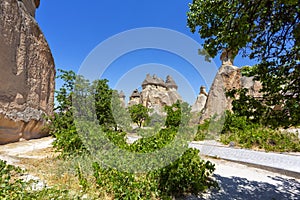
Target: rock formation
26, 73
135, 98
201, 100
156, 93
228, 77
122, 98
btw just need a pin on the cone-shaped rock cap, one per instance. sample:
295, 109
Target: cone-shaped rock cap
153, 80
135, 94
171, 83
121, 94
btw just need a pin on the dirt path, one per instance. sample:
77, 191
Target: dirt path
32, 149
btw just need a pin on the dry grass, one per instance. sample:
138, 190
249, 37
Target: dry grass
61, 174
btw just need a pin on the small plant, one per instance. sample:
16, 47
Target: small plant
188, 174
83, 182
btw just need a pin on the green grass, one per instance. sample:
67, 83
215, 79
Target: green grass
263, 138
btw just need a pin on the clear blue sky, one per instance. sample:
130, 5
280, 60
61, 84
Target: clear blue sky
74, 28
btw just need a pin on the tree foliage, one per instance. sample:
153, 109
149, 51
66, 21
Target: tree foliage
139, 114
103, 97
266, 31
91, 102
62, 124
178, 114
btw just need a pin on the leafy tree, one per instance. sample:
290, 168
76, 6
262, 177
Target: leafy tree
178, 114
103, 98
139, 114
266, 31
120, 114
62, 124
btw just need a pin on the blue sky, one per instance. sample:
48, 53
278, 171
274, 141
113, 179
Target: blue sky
74, 29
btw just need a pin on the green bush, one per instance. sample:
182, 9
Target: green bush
124, 185
210, 128
186, 175
253, 135
179, 114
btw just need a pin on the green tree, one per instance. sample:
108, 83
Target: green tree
103, 99
139, 114
178, 114
120, 114
266, 31
62, 124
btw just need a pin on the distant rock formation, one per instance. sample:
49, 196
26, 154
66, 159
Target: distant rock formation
201, 100
122, 98
156, 93
135, 98
26, 73
228, 77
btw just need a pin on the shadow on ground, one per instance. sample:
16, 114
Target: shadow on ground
242, 189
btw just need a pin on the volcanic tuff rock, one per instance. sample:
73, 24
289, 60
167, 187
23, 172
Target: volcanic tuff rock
201, 100
156, 93
26, 72
228, 77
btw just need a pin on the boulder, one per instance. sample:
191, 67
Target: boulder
27, 73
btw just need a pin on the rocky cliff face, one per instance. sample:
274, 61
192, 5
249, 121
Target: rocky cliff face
228, 77
156, 93
26, 72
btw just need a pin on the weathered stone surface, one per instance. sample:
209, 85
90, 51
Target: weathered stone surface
156, 93
201, 100
26, 73
253, 86
135, 98
227, 78
122, 98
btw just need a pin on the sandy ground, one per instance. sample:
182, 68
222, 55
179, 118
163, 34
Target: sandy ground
236, 181
32, 149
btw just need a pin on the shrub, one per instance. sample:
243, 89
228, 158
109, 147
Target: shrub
179, 114
187, 174
253, 135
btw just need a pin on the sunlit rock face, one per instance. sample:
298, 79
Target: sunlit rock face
156, 93
227, 78
200, 101
27, 73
